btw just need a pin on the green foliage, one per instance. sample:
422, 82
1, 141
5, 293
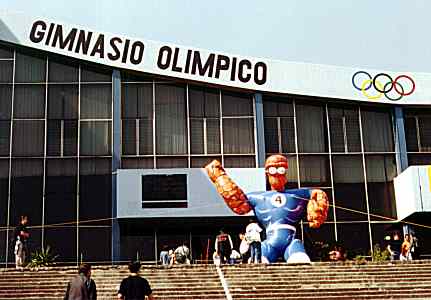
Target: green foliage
320, 251
379, 254
360, 260
42, 258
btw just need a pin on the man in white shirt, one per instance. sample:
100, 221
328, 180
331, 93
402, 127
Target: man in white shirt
252, 236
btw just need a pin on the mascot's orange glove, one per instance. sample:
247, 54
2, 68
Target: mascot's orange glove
317, 208
231, 193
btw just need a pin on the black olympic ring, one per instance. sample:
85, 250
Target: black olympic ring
388, 86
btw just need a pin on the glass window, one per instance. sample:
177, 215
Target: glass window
131, 76
95, 190
61, 138
137, 101
5, 102
145, 136
238, 136
4, 191
314, 171
287, 130
129, 137
311, 126
70, 138
197, 138
202, 161
236, 161
279, 126
95, 138
171, 126
62, 101
360, 244
237, 105
28, 138
4, 138
6, 71
60, 190
62, 240
96, 101
137, 163
53, 135
381, 197
29, 102
171, 162
164, 191
377, 131
410, 126
141, 244
5, 52
417, 128
379, 231
204, 107
349, 187
425, 133
62, 72
316, 240
344, 129
95, 243
213, 136
204, 103
277, 107
204, 132
93, 74
29, 69
27, 193
272, 144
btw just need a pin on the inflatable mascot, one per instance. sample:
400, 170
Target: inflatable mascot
278, 210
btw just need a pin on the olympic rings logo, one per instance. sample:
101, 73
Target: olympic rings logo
391, 88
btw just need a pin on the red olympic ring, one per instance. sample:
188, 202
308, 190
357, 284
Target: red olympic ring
382, 89
402, 92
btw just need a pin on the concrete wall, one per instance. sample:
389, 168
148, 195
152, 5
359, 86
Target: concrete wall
203, 199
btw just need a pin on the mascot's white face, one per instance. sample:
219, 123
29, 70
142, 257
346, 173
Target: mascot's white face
276, 169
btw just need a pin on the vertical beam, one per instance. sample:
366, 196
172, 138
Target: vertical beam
116, 160
260, 130
400, 140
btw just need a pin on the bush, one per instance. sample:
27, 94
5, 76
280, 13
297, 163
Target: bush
379, 254
42, 258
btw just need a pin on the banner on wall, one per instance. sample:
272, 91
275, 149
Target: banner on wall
215, 67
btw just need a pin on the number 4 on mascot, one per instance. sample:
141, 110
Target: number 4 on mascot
278, 210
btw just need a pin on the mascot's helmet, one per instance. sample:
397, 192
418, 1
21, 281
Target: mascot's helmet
276, 163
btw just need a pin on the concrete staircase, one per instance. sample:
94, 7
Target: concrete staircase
331, 281
276, 281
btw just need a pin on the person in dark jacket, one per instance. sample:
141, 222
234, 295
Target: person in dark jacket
82, 287
135, 287
223, 246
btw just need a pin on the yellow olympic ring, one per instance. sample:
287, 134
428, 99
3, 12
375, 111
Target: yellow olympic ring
364, 91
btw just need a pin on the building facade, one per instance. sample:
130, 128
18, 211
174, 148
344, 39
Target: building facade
68, 126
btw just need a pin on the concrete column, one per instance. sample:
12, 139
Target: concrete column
400, 140
116, 160
260, 130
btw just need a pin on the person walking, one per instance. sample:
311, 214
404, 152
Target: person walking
135, 287
21, 236
223, 246
252, 236
82, 287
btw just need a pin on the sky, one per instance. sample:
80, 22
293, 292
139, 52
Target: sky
389, 35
